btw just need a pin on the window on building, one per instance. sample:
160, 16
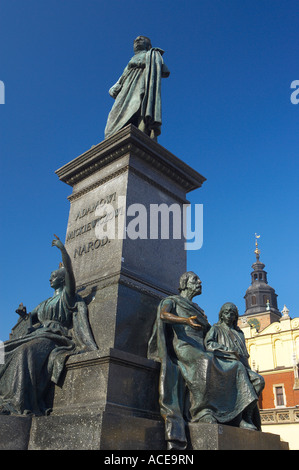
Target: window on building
253, 300
279, 395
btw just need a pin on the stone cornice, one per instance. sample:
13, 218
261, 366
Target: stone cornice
96, 184
130, 140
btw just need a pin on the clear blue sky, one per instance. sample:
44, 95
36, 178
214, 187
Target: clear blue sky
226, 112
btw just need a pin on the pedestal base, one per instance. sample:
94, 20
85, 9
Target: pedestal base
104, 401
205, 436
109, 401
113, 431
14, 432
100, 431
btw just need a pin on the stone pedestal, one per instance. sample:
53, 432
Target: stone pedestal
96, 431
115, 184
205, 436
108, 399
14, 432
114, 431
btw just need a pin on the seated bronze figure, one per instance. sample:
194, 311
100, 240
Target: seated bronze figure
198, 382
36, 359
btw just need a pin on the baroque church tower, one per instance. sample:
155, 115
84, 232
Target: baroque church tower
260, 298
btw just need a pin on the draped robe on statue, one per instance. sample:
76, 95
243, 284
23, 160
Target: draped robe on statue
215, 387
138, 93
36, 359
220, 339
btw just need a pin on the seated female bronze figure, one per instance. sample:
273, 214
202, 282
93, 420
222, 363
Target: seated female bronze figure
35, 360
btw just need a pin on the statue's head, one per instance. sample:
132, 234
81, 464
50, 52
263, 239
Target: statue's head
57, 278
142, 43
191, 281
229, 314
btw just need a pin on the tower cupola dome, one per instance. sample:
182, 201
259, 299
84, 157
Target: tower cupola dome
260, 297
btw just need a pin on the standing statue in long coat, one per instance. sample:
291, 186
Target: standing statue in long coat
137, 93
36, 359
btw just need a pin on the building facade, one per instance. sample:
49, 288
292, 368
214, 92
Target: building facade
272, 339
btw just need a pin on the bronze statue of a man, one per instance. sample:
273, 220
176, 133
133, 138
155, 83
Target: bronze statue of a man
137, 93
196, 384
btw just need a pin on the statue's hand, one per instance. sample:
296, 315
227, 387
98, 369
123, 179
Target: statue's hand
22, 311
193, 323
57, 242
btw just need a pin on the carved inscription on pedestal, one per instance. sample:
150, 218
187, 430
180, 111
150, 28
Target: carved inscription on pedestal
101, 212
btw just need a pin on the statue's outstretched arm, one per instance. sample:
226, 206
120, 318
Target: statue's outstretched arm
70, 283
169, 317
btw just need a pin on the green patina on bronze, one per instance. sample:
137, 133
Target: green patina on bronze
37, 358
137, 92
202, 378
